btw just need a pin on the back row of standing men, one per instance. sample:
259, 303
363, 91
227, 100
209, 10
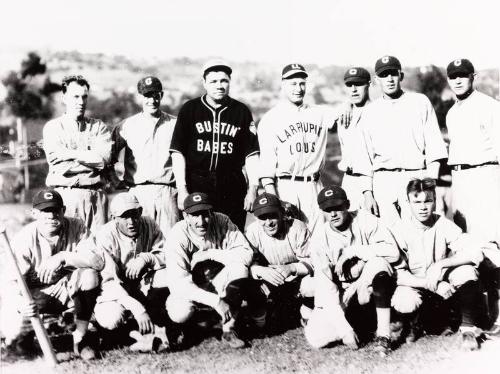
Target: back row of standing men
384, 144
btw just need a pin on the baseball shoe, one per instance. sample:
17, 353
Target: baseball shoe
232, 340
469, 341
493, 331
84, 349
383, 345
415, 332
351, 341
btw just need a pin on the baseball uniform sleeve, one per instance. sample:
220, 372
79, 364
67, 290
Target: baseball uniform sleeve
250, 135
494, 127
154, 256
181, 133
435, 147
235, 247
459, 242
118, 142
24, 255
302, 237
268, 152
98, 153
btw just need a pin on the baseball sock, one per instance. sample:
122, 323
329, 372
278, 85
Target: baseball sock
383, 288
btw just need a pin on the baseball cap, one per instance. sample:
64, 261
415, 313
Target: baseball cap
211, 65
266, 203
149, 84
196, 202
387, 63
293, 69
459, 66
47, 198
332, 196
357, 75
122, 202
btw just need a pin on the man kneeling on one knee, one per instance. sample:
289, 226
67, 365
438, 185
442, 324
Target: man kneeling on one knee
352, 253
133, 278
440, 260
207, 260
281, 259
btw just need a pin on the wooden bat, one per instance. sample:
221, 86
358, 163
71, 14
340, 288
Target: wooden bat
41, 333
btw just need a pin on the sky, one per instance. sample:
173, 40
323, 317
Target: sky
338, 32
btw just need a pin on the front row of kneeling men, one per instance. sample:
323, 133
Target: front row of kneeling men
364, 277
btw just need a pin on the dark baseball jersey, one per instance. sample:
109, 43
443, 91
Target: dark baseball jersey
214, 139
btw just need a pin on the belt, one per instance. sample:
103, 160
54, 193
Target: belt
397, 169
349, 171
90, 187
466, 166
171, 184
299, 178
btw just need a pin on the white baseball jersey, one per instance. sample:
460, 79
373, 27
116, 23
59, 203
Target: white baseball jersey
182, 243
288, 248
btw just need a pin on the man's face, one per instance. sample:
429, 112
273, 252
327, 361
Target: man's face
422, 205
151, 102
49, 220
461, 83
217, 84
390, 81
294, 89
128, 222
198, 221
358, 92
271, 222
75, 98
337, 218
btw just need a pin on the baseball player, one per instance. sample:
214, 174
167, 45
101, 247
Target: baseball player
281, 260
145, 138
352, 254
207, 237
440, 260
213, 139
131, 246
78, 149
292, 138
402, 138
357, 181
59, 269
473, 124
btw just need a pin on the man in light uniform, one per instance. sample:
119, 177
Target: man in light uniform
292, 138
440, 260
352, 253
281, 260
214, 138
473, 124
78, 149
59, 269
133, 277
357, 181
402, 137
207, 236
145, 138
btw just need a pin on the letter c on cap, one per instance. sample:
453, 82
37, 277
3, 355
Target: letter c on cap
197, 198
457, 62
385, 59
328, 193
263, 201
48, 195
148, 81
353, 71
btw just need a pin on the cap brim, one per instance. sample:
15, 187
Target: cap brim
119, 212
48, 204
223, 68
149, 90
337, 204
459, 71
386, 68
356, 80
291, 73
266, 210
198, 208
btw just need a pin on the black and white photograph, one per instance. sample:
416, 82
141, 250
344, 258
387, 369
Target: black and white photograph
231, 186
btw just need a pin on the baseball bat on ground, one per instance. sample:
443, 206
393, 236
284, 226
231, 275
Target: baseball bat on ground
41, 333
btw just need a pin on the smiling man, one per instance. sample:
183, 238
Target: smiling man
402, 137
145, 141
214, 138
292, 137
78, 149
441, 262
281, 260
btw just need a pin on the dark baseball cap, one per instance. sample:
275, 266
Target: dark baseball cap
357, 75
293, 69
47, 198
459, 66
216, 64
387, 63
266, 203
149, 84
196, 202
332, 196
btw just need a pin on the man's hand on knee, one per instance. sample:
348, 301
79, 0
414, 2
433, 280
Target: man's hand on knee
224, 311
28, 310
145, 324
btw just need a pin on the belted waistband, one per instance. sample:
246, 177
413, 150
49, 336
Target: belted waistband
466, 166
310, 178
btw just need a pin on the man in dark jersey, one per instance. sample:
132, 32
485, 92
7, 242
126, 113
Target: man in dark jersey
213, 139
